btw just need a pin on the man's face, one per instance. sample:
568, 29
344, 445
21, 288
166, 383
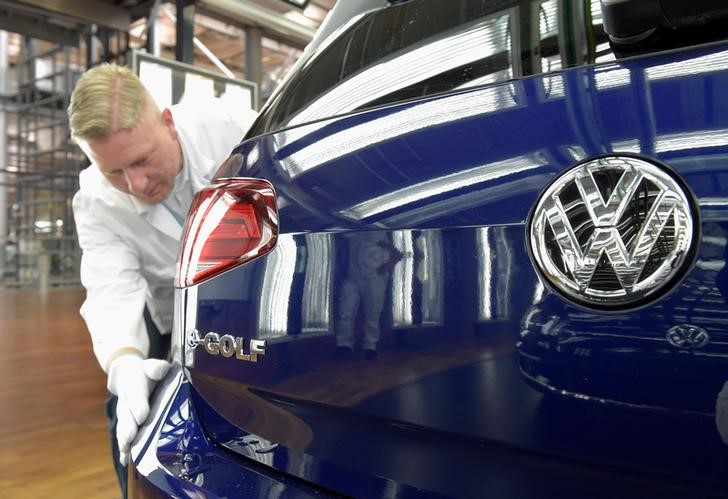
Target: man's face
143, 161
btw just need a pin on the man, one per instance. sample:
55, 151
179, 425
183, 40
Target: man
371, 260
146, 166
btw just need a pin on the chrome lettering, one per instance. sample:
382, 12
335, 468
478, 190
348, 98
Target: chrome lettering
257, 347
193, 338
226, 345
212, 343
239, 352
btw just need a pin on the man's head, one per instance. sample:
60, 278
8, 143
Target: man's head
117, 124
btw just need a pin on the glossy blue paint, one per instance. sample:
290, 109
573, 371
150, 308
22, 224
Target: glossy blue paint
458, 153
178, 460
464, 308
408, 222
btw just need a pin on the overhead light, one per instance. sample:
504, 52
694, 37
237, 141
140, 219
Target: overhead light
301, 4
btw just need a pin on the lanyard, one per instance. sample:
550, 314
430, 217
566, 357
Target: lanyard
179, 219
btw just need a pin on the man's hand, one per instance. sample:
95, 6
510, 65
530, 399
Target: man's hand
132, 379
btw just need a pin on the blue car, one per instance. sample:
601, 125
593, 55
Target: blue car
470, 248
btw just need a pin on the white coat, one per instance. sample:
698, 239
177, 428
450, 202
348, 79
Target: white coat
129, 248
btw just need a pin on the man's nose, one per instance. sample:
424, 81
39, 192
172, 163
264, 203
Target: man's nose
136, 180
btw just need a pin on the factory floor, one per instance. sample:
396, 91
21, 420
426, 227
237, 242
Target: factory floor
53, 438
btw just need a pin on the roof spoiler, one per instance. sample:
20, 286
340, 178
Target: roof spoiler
630, 22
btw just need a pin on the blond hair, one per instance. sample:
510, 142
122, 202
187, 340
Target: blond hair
107, 98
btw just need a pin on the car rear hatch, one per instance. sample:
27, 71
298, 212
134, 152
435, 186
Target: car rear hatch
402, 234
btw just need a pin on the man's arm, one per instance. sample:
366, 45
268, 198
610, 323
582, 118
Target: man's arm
115, 289
114, 313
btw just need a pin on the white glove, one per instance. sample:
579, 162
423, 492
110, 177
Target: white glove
132, 379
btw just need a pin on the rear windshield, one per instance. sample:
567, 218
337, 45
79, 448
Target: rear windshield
425, 47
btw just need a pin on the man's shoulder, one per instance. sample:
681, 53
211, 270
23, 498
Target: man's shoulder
211, 111
201, 110
95, 192
92, 183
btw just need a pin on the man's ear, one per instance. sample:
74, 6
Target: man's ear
168, 121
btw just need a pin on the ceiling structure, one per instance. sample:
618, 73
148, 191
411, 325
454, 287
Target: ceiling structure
219, 28
52, 17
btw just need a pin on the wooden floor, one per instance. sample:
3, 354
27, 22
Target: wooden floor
53, 439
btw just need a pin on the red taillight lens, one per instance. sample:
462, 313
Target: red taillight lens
229, 223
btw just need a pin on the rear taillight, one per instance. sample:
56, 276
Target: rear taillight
229, 223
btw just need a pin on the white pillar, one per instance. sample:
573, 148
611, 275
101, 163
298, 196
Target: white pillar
156, 34
3, 151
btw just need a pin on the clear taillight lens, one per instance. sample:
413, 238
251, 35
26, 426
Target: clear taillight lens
229, 223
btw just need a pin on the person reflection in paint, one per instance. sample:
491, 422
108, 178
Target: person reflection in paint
371, 260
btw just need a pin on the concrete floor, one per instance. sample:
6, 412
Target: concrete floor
53, 439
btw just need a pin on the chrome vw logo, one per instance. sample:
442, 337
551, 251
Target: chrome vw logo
613, 232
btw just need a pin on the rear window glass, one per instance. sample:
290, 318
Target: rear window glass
425, 47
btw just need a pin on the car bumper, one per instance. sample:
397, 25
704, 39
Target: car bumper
172, 457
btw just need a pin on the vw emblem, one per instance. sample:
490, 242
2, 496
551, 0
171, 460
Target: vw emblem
687, 336
613, 232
